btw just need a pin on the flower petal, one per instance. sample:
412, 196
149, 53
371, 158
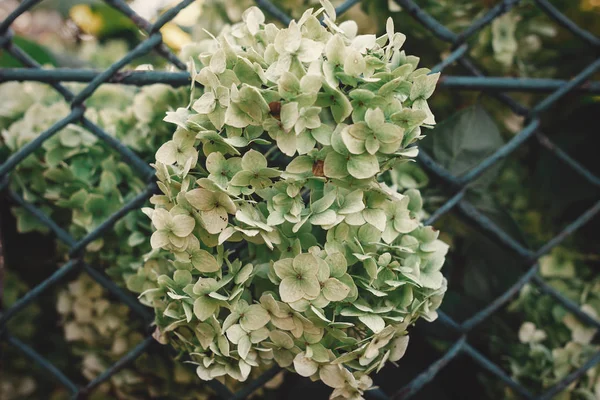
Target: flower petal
183, 225
306, 264
204, 307
255, 317
290, 289
305, 366
334, 290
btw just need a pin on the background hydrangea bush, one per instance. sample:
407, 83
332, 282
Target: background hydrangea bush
77, 180
537, 340
552, 342
93, 326
308, 256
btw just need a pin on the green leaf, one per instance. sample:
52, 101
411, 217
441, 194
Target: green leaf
242, 178
322, 134
370, 268
318, 351
498, 213
39, 53
236, 117
259, 335
205, 286
136, 238
354, 137
244, 274
253, 104
244, 70
335, 50
319, 313
182, 277
409, 118
287, 142
465, 139
421, 104
96, 204
205, 334
310, 84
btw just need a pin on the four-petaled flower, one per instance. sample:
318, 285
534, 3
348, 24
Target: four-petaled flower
298, 278
373, 135
172, 228
213, 206
255, 173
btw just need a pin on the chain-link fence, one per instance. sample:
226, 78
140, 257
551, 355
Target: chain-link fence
493, 86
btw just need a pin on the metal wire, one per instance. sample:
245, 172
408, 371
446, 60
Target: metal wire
495, 86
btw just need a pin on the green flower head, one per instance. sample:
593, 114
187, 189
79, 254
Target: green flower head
283, 237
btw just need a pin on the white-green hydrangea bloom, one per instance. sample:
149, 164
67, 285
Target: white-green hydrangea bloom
310, 262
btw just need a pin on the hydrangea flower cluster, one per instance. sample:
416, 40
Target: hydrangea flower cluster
299, 253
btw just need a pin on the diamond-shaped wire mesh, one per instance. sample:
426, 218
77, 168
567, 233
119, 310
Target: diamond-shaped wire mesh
457, 185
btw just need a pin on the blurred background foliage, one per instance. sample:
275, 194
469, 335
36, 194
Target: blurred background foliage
532, 195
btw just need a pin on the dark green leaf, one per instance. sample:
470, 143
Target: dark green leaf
37, 52
462, 141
